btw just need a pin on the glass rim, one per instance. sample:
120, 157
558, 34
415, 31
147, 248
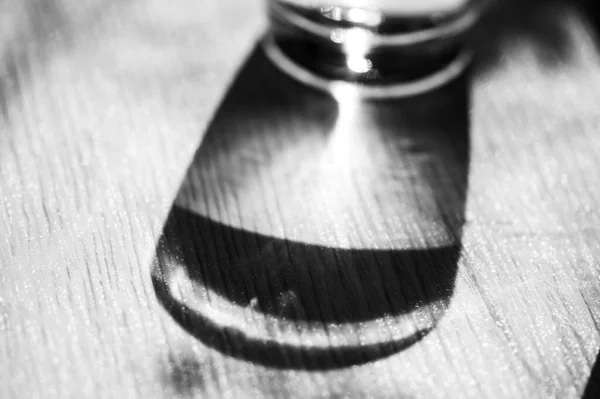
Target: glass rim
465, 20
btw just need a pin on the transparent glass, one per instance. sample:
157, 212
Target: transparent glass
380, 48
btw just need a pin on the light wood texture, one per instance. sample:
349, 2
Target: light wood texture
102, 108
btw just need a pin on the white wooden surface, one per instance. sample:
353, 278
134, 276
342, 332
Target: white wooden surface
102, 107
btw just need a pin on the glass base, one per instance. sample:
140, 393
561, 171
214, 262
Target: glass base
369, 52
374, 90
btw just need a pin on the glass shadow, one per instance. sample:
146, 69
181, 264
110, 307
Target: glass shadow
592, 388
313, 232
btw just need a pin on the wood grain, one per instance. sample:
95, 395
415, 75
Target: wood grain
102, 108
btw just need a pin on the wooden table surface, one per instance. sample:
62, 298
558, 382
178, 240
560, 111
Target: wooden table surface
442, 246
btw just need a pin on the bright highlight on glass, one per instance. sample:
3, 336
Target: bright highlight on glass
381, 48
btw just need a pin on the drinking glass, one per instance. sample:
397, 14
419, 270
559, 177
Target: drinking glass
377, 48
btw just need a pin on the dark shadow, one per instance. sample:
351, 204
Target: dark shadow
259, 269
534, 23
541, 25
592, 389
273, 287
591, 12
